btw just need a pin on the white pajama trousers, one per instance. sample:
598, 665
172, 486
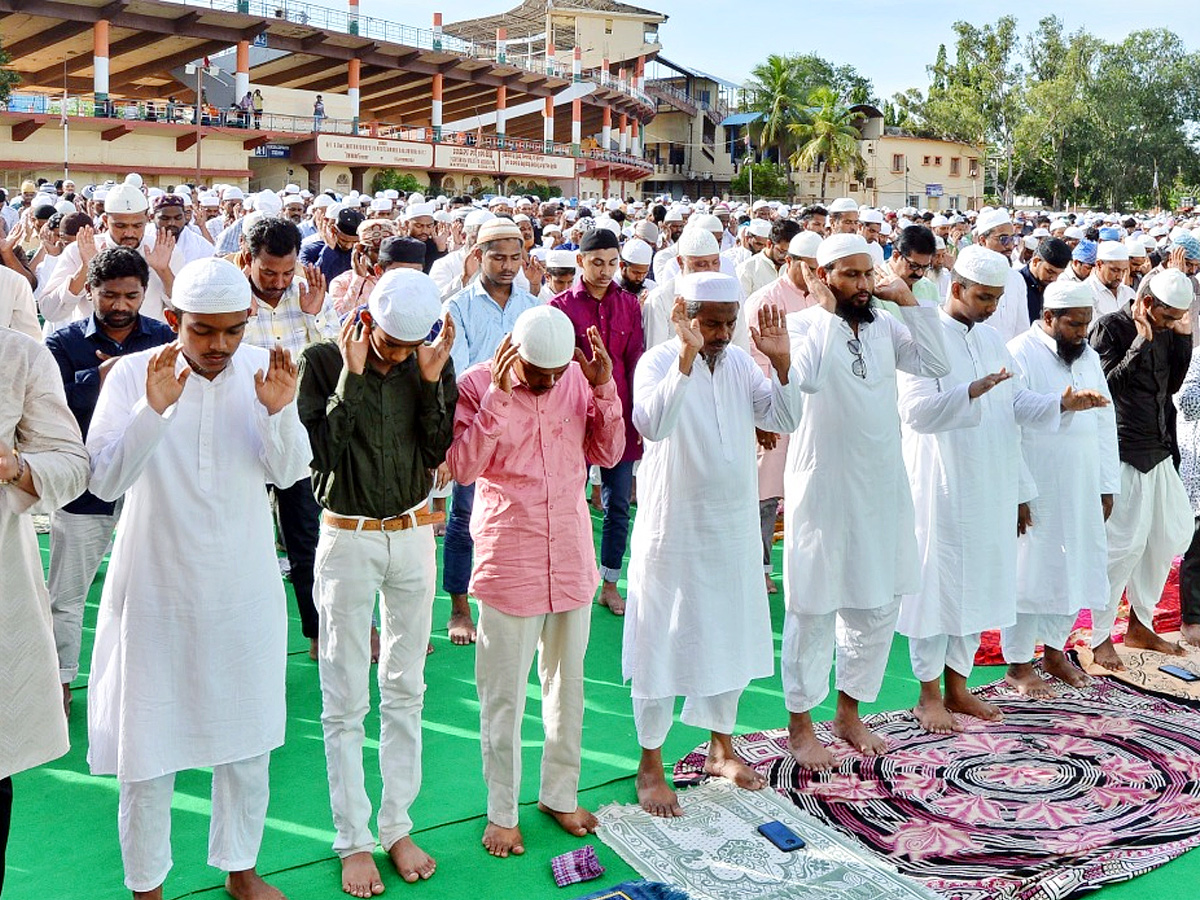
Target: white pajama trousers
351, 566
1019, 643
1151, 523
77, 547
931, 656
240, 791
504, 649
653, 717
862, 638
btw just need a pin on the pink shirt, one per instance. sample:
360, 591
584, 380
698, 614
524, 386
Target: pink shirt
527, 455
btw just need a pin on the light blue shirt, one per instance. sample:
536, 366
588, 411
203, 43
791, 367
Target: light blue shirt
480, 324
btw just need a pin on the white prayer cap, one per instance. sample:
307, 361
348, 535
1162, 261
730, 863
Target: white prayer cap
870, 217
211, 286
268, 202
938, 221
876, 252
442, 216
125, 198
707, 222
1074, 233
417, 210
759, 228
1112, 251
381, 204
759, 204
842, 205
1031, 242
521, 217
477, 218
804, 245
415, 198
252, 218
840, 246
405, 303
101, 195
134, 178
647, 231
885, 229
1135, 247
992, 218
544, 337
674, 214
637, 252
612, 203
291, 189
1067, 295
498, 229
182, 190
66, 207
939, 242
1173, 288
560, 259
710, 287
1041, 232
983, 266
323, 201
698, 242
1158, 231
306, 194
606, 222
155, 193
293, 200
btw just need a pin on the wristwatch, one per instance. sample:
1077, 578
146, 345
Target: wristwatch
20, 469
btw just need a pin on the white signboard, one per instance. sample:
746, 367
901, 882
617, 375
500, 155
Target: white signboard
364, 151
537, 164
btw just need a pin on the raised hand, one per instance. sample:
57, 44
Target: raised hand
85, 240
106, 364
897, 291
502, 365
1024, 518
1074, 401
276, 385
598, 370
1141, 319
535, 272
354, 342
431, 358
312, 301
1177, 259
689, 332
163, 386
981, 386
158, 257
771, 336
818, 289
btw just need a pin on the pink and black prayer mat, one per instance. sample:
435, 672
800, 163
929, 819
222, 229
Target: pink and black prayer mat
1098, 785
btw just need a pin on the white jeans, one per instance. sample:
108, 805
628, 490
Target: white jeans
351, 566
77, 547
1020, 641
863, 638
504, 650
240, 791
1151, 523
931, 656
652, 718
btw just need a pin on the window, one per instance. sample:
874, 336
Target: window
853, 187
937, 160
897, 162
972, 168
608, 26
955, 165
870, 184
925, 161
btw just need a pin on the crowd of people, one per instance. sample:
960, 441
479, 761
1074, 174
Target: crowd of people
963, 422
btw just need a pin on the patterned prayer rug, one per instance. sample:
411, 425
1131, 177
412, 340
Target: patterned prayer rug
1096, 786
638, 890
714, 851
1141, 670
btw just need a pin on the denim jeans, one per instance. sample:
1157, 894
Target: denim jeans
458, 548
616, 488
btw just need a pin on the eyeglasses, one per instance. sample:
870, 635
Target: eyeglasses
1006, 240
917, 268
859, 366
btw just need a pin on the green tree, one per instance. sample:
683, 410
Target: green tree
829, 139
8, 78
390, 179
769, 181
776, 95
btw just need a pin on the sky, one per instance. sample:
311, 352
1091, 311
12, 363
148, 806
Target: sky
891, 44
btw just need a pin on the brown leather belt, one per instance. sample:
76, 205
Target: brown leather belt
395, 523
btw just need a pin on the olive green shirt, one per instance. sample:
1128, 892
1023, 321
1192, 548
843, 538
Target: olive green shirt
375, 438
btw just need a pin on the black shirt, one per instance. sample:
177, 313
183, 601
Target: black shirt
1142, 376
1033, 294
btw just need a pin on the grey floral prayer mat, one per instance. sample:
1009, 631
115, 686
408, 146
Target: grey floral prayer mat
714, 851
1098, 785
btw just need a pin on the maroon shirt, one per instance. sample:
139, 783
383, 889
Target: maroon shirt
618, 316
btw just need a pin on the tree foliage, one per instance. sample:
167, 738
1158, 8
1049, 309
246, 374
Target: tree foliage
769, 181
8, 78
390, 179
829, 139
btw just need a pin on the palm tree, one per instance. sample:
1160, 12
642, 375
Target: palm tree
776, 95
829, 138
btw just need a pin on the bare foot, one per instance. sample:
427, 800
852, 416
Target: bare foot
934, 717
1139, 637
501, 842
810, 754
411, 862
1056, 665
312, 648
969, 705
462, 630
1191, 633
852, 730
771, 588
374, 644
579, 823
611, 597
1024, 679
67, 701
654, 794
248, 885
723, 762
360, 875
1106, 655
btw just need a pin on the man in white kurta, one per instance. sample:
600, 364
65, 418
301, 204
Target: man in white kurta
994, 230
190, 650
848, 516
962, 446
697, 622
1107, 281
1062, 559
42, 466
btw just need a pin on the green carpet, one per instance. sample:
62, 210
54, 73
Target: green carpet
64, 840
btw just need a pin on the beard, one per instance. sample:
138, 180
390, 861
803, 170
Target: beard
1069, 351
854, 313
634, 287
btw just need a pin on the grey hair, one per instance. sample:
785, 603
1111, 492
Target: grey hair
692, 308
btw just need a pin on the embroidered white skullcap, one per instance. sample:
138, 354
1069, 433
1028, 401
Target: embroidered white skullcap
842, 205
759, 228
477, 218
66, 207
268, 203
292, 200
938, 221
804, 245
840, 246
405, 303
870, 217
674, 214
560, 259
1030, 242
1173, 288
498, 229
416, 210
1112, 251
992, 218
1135, 247
125, 198
544, 337
1067, 295
211, 286
983, 266
706, 221
710, 287
416, 198
939, 242
134, 178
1074, 233
637, 252
698, 242
381, 204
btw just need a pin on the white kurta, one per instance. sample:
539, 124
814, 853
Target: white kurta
190, 652
18, 308
1011, 317
658, 328
35, 419
697, 621
1104, 301
848, 512
968, 475
1062, 560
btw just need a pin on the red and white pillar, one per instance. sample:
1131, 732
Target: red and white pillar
501, 45
605, 74
100, 61
501, 113
353, 74
639, 77
576, 126
577, 65
624, 139
352, 17
635, 140
550, 61
548, 125
241, 78
436, 105
437, 31
606, 130
621, 75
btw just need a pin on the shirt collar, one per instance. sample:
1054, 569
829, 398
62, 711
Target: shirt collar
953, 322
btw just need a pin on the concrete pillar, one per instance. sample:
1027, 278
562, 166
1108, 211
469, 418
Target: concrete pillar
501, 113
577, 65
437, 105
606, 129
635, 140
314, 176
437, 31
624, 138
549, 59
100, 64
241, 78
639, 76
548, 125
605, 74
354, 73
622, 74
352, 17
501, 45
576, 125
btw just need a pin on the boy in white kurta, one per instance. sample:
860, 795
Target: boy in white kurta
1062, 559
697, 621
963, 450
190, 652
